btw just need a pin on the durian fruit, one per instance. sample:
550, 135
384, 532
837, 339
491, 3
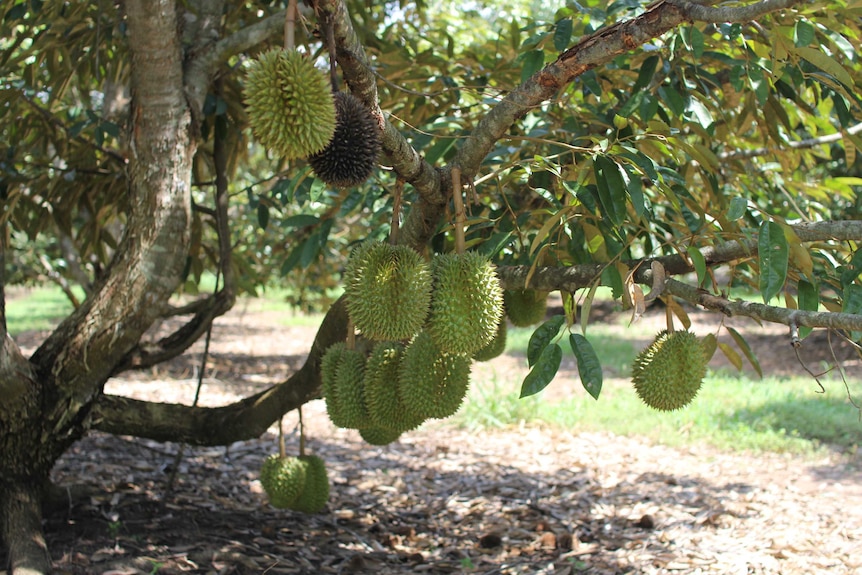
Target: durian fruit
315, 492
290, 104
379, 436
432, 383
386, 412
351, 155
466, 304
388, 290
497, 345
349, 391
283, 479
668, 374
525, 307
329, 364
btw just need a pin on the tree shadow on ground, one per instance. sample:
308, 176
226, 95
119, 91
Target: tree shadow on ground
399, 509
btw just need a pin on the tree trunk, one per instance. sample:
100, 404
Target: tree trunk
21, 520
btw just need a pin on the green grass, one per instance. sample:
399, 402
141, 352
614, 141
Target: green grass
40, 309
730, 412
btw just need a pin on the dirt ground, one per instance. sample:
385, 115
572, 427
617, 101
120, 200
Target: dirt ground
526, 500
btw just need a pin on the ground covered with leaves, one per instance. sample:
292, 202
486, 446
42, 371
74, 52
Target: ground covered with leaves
527, 499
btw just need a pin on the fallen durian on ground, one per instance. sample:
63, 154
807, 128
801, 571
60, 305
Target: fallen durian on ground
525, 307
290, 105
298, 483
668, 374
349, 158
432, 383
466, 303
388, 290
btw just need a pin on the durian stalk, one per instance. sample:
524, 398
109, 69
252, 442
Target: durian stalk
290, 25
301, 433
396, 211
281, 449
460, 213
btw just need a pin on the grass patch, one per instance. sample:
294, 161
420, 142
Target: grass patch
731, 413
39, 309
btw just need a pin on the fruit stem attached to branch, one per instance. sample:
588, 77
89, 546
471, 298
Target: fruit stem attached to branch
460, 213
290, 26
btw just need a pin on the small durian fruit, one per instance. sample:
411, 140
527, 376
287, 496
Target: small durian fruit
466, 304
668, 374
351, 155
379, 436
329, 364
525, 307
497, 345
283, 479
432, 383
385, 410
290, 105
349, 391
315, 492
388, 290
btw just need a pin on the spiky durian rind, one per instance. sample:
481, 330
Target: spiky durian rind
349, 391
349, 158
283, 479
379, 436
525, 307
466, 304
668, 374
382, 398
388, 290
432, 383
329, 365
315, 493
497, 345
290, 104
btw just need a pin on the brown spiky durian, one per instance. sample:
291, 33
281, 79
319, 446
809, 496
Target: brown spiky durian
349, 158
290, 105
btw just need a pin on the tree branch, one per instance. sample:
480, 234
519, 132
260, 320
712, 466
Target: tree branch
701, 13
797, 145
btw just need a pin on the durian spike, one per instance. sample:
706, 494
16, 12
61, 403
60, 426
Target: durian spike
290, 26
460, 213
281, 450
396, 211
301, 433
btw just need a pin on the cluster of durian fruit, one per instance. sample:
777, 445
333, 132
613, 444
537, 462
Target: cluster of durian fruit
668, 374
422, 324
298, 483
293, 110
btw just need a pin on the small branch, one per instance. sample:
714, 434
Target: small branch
701, 13
797, 145
772, 314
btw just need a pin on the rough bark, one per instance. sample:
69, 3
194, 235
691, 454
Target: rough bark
21, 517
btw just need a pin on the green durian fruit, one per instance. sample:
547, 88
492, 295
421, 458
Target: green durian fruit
290, 104
497, 345
385, 409
351, 412
349, 158
329, 364
315, 493
388, 291
466, 304
668, 374
379, 436
432, 383
525, 307
283, 479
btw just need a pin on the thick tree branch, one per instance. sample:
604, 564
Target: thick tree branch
245, 419
699, 12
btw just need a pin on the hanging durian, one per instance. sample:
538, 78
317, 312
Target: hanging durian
466, 304
388, 290
283, 479
349, 158
497, 345
668, 374
382, 398
315, 492
432, 383
290, 104
525, 307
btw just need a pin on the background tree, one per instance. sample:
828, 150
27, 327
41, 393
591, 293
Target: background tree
611, 145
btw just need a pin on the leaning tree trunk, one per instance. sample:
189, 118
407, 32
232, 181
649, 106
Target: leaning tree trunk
47, 401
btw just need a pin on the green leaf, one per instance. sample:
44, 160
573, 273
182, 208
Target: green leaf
699, 263
646, 73
544, 371
827, 64
773, 255
262, 216
697, 42
635, 189
803, 34
543, 336
532, 62
589, 366
746, 349
808, 299
852, 269
853, 304
563, 34
731, 355
300, 221
737, 208
611, 189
